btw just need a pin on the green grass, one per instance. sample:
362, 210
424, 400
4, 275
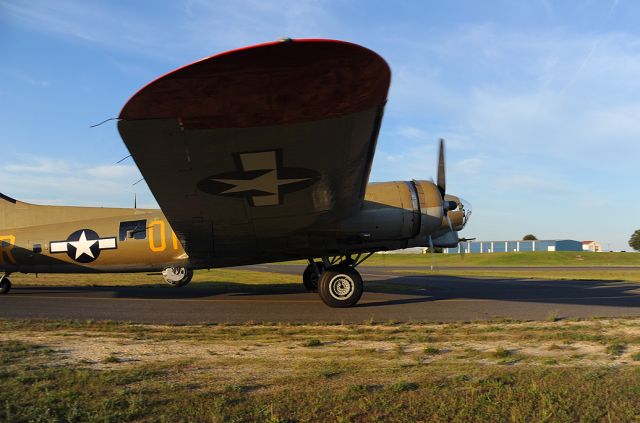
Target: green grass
312, 343
403, 386
501, 352
616, 348
540, 258
111, 358
223, 279
431, 351
573, 275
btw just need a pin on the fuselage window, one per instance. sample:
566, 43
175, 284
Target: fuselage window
136, 229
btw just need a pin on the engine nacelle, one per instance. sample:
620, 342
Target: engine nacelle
395, 211
431, 211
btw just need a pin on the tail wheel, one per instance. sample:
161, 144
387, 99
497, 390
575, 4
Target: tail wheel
310, 277
5, 285
177, 276
340, 286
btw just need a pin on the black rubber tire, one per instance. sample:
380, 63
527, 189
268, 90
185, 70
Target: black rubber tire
340, 286
310, 278
187, 278
5, 286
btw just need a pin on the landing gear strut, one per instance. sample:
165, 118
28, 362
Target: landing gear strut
5, 284
311, 275
337, 281
177, 276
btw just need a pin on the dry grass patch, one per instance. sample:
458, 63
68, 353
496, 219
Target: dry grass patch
105, 371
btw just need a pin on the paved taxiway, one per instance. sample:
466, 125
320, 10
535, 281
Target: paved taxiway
421, 298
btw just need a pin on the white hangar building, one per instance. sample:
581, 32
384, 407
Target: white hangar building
479, 247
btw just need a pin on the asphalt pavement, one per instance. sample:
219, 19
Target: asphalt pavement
396, 297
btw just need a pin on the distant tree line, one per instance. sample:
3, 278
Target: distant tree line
634, 241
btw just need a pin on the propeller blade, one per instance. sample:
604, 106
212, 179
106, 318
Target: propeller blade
442, 182
449, 222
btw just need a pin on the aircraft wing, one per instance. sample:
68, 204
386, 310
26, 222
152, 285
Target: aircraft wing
260, 143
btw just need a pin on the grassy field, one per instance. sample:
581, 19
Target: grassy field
575, 275
216, 278
251, 281
559, 258
561, 371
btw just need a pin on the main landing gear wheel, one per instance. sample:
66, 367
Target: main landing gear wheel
177, 276
340, 286
5, 285
310, 277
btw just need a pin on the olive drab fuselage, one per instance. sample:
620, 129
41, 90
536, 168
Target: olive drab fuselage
59, 239
53, 239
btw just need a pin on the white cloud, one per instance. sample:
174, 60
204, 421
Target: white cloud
25, 77
113, 171
527, 184
507, 92
55, 181
39, 165
198, 27
471, 165
413, 133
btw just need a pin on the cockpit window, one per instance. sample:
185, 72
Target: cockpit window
135, 229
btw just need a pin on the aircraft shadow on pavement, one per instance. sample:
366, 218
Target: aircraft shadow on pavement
412, 289
163, 291
578, 292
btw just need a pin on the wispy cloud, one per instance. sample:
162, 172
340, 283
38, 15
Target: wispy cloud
53, 181
527, 184
536, 95
113, 172
471, 165
24, 77
38, 165
413, 133
203, 27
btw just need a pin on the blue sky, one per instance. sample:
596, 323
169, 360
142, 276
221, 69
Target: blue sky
539, 100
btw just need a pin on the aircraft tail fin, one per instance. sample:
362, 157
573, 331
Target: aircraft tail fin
8, 211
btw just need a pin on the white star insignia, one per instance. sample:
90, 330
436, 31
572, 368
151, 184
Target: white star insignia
83, 246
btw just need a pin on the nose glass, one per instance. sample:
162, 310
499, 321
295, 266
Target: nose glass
466, 209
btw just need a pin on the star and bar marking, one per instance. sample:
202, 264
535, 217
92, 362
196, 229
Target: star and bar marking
83, 246
263, 180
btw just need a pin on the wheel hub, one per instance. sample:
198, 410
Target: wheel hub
341, 287
174, 274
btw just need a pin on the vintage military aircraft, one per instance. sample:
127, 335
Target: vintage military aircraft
256, 155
